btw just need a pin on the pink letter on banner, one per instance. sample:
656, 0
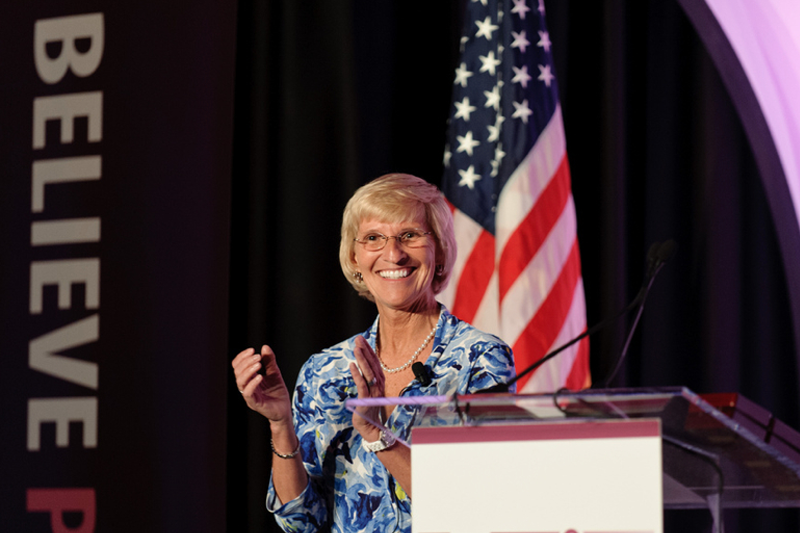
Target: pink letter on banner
60, 501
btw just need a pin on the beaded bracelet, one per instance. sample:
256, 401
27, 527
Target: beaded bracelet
284, 456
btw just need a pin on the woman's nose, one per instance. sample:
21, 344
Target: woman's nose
394, 248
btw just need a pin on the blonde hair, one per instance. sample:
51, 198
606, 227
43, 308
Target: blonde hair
394, 198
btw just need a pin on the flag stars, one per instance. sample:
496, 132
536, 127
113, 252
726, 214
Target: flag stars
544, 41
485, 28
494, 133
522, 111
489, 62
462, 75
541, 6
545, 74
448, 155
520, 8
466, 143
499, 154
520, 41
521, 76
464, 109
493, 98
468, 177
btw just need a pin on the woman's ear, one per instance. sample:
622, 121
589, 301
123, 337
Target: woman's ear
439, 257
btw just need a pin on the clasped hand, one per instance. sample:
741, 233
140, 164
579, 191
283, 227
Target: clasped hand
267, 394
370, 383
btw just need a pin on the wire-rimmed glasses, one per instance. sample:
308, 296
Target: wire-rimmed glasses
374, 242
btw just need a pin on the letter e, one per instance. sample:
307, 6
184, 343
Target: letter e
64, 273
62, 411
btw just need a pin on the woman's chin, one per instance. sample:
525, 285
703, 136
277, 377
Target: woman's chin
410, 304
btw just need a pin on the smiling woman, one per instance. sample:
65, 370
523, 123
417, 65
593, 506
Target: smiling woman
398, 276
398, 199
334, 471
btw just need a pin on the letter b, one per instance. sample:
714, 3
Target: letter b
67, 30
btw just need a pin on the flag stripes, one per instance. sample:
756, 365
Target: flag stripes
475, 278
528, 237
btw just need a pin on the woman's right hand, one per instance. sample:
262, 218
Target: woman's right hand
265, 394
268, 395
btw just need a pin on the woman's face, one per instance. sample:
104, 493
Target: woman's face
399, 276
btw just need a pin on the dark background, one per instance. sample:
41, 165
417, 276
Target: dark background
332, 94
166, 74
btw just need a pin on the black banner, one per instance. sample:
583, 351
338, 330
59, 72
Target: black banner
115, 148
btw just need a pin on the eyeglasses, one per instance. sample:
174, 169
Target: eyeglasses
374, 242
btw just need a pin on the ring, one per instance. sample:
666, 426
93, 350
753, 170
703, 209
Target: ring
373, 381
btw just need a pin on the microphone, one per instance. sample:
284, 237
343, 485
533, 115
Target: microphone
421, 373
657, 255
652, 258
663, 254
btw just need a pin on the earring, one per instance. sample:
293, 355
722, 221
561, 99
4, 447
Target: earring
439, 270
358, 277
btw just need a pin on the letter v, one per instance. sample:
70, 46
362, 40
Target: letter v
42, 354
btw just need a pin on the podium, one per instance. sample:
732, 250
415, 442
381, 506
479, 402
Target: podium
717, 450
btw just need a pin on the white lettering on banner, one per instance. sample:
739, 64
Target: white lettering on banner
42, 354
65, 170
69, 231
61, 45
64, 273
62, 411
67, 108
67, 30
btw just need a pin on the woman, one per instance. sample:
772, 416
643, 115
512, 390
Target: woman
335, 471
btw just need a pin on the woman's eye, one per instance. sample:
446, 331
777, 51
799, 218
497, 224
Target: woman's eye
372, 237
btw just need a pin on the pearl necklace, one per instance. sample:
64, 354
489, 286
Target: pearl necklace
413, 357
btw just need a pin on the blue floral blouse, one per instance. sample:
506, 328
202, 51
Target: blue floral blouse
349, 489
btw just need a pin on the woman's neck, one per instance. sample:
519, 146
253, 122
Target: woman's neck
400, 333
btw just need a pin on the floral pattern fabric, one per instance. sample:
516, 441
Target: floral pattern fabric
349, 489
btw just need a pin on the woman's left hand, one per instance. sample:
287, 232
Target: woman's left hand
370, 383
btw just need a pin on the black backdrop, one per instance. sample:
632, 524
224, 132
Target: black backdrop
150, 452
332, 94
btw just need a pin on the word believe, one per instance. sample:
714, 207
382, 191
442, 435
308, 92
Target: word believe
44, 353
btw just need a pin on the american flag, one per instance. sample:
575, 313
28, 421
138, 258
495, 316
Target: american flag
518, 273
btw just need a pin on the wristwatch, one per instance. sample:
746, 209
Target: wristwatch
385, 441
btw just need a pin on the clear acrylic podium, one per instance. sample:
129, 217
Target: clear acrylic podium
718, 450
